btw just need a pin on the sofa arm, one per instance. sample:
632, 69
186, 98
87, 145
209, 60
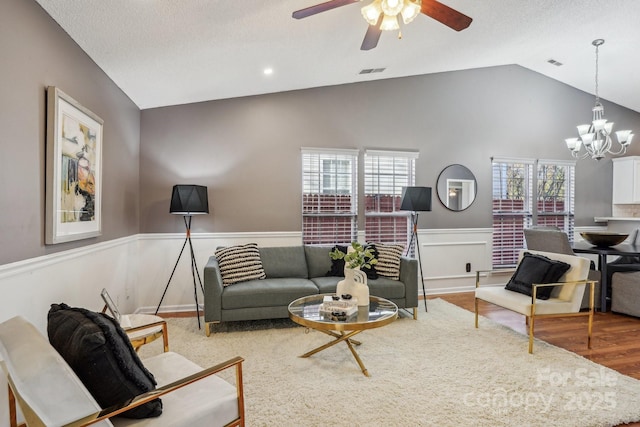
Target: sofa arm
212, 291
409, 276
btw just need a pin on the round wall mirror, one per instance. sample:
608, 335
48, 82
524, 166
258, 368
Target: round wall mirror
457, 187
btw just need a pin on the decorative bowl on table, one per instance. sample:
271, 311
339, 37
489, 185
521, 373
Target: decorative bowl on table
603, 239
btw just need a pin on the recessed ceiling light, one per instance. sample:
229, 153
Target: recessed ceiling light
268, 71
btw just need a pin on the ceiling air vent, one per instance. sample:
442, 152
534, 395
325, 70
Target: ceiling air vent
371, 70
554, 62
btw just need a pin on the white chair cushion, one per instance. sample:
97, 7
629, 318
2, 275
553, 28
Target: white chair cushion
191, 405
521, 303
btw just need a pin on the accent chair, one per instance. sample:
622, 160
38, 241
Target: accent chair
49, 393
563, 295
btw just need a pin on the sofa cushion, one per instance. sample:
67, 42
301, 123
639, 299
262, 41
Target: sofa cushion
240, 263
386, 288
389, 260
538, 269
327, 284
266, 293
318, 260
286, 261
101, 355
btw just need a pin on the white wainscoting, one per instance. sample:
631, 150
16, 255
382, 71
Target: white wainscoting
445, 254
135, 269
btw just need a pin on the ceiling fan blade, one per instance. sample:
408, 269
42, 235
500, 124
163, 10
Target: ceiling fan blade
372, 36
322, 7
444, 14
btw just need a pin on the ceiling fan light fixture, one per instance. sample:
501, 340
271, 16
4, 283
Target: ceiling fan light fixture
392, 7
389, 23
372, 12
411, 10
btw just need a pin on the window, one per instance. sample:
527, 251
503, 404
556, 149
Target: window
329, 196
385, 174
515, 188
555, 195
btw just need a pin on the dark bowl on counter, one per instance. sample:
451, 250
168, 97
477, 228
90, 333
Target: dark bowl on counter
603, 239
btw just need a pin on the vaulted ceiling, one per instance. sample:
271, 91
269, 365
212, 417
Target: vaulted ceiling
168, 52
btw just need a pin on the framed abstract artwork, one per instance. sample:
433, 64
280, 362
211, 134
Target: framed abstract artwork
73, 170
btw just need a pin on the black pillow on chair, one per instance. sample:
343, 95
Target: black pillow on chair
100, 353
536, 269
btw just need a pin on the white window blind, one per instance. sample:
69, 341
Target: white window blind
555, 195
515, 188
329, 196
385, 174
512, 208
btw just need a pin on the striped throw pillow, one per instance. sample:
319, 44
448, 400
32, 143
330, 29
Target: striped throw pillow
389, 260
240, 263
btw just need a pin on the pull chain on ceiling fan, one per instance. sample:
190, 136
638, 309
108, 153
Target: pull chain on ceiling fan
382, 15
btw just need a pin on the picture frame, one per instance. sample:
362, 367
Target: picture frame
73, 170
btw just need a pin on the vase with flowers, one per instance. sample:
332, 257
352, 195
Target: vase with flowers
355, 281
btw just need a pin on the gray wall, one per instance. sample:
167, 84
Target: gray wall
37, 53
247, 150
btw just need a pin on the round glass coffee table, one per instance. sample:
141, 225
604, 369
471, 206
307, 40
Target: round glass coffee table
305, 311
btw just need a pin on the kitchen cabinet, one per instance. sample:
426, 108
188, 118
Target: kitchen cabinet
626, 180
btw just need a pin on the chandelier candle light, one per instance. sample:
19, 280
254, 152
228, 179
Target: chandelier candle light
596, 137
389, 10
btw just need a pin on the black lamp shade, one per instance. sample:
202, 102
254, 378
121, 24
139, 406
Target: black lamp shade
416, 199
189, 200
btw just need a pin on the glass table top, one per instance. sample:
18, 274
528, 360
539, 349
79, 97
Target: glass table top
306, 311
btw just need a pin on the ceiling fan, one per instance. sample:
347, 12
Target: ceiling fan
382, 15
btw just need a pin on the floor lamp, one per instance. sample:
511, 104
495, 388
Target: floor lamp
416, 199
188, 200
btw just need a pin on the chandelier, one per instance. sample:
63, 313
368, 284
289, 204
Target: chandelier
390, 9
596, 137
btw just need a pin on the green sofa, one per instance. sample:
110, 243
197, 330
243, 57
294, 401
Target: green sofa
293, 272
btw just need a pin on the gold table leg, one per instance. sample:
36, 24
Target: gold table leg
340, 338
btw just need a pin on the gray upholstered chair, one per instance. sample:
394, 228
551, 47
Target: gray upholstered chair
551, 239
625, 293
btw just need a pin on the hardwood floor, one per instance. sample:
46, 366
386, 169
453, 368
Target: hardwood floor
615, 340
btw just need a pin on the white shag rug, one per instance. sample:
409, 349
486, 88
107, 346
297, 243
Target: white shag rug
436, 371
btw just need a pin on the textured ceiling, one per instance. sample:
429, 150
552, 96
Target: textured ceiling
168, 52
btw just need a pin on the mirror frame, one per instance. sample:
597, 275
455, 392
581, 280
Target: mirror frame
459, 173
